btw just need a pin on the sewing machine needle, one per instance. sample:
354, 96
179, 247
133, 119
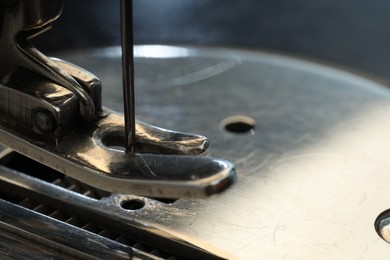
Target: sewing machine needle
128, 73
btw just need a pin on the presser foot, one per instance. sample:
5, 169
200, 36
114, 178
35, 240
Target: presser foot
41, 120
163, 168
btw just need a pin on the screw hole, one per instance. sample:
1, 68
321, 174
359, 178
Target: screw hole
239, 124
44, 121
132, 204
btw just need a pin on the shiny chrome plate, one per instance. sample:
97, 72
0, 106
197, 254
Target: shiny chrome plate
310, 144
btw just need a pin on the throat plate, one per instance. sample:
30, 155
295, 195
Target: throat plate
311, 146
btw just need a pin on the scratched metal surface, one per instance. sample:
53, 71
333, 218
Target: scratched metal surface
313, 175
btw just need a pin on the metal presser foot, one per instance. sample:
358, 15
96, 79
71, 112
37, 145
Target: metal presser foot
50, 111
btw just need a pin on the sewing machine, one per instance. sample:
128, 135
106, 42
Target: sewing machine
306, 143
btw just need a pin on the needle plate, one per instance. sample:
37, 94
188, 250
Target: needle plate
313, 167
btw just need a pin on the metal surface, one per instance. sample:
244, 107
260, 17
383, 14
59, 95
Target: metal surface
313, 172
41, 120
86, 155
309, 142
106, 214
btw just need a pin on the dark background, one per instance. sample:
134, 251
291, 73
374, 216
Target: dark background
351, 33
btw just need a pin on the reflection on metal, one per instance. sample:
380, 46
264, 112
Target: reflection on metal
22, 20
312, 177
157, 52
314, 173
55, 218
382, 225
52, 112
168, 174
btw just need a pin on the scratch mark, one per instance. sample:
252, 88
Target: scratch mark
364, 252
203, 74
243, 160
246, 244
241, 226
364, 197
254, 168
275, 231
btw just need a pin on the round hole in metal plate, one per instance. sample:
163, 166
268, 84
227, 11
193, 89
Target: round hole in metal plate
239, 124
382, 225
132, 204
114, 139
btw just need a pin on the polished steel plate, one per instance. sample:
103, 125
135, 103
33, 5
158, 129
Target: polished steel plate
311, 146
